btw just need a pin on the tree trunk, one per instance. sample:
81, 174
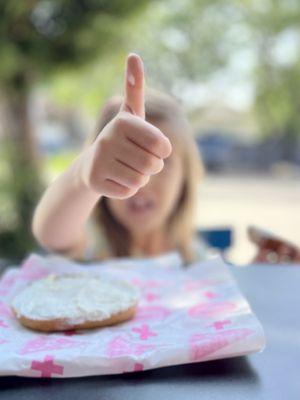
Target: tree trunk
24, 164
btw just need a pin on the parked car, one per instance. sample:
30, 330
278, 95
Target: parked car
217, 150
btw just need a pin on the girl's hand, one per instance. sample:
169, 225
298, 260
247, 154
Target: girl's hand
128, 150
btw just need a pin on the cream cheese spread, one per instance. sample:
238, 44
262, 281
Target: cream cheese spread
75, 298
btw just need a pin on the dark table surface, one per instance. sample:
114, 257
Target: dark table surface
274, 294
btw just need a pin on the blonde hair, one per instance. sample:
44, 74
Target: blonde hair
159, 107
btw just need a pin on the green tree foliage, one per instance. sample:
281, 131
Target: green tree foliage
276, 25
196, 40
39, 37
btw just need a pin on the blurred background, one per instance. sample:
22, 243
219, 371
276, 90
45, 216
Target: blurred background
235, 65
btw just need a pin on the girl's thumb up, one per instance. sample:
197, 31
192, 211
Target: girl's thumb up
134, 101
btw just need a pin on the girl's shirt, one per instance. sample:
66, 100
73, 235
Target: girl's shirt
98, 248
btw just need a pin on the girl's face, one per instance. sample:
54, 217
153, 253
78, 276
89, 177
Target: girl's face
149, 209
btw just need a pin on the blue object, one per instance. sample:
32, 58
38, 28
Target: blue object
220, 239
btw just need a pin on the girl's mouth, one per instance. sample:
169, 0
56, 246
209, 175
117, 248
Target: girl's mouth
139, 205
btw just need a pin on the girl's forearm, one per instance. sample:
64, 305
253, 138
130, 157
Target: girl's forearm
60, 217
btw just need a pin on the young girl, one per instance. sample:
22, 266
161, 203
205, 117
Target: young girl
132, 191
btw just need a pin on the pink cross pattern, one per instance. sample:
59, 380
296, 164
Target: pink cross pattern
144, 331
157, 313
135, 368
138, 367
119, 346
3, 324
47, 367
193, 285
151, 297
220, 324
137, 282
6, 284
203, 344
210, 295
154, 283
210, 308
5, 311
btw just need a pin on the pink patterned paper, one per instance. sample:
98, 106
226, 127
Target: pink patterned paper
185, 315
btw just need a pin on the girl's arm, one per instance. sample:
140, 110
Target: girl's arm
60, 217
117, 164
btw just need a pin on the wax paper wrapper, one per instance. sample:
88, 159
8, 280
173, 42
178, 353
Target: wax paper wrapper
185, 315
